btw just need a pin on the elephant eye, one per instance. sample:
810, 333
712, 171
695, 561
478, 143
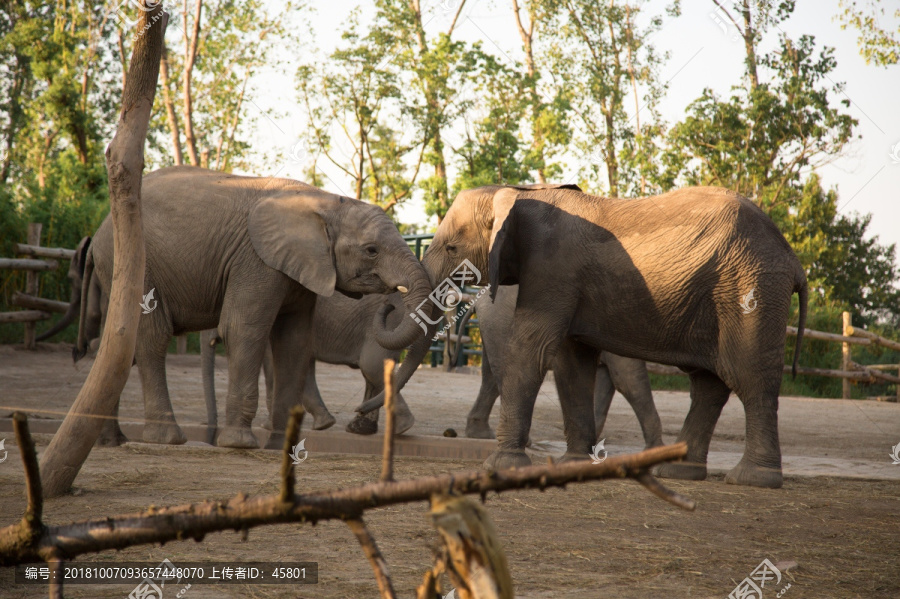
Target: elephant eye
371, 251
451, 249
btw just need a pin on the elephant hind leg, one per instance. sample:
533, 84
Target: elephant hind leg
603, 395
708, 396
312, 401
150, 355
478, 421
575, 371
760, 466
630, 377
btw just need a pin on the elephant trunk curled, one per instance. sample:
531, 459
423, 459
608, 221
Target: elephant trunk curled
408, 330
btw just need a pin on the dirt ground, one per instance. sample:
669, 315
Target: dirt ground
595, 539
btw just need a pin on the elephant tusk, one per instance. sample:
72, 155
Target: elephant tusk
402, 289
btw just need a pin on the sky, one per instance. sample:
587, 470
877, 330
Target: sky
702, 53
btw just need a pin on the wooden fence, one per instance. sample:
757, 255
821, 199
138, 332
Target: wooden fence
849, 370
37, 308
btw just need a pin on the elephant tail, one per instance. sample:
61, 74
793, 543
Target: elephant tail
81, 345
802, 289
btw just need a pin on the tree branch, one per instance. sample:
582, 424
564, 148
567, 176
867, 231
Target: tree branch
387, 460
194, 521
125, 164
373, 554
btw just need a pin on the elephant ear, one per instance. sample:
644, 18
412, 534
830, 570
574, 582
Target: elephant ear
290, 235
503, 259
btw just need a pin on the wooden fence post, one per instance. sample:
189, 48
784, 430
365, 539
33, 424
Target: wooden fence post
31, 281
845, 355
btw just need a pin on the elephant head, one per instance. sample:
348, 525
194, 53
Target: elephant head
466, 233
76, 276
327, 243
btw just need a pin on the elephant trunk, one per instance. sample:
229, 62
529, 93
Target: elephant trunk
68, 318
414, 356
409, 329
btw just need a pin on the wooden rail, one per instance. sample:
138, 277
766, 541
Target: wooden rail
28, 264
25, 249
38, 303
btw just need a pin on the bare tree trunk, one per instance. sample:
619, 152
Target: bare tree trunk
72, 443
537, 134
170, 106
190, 55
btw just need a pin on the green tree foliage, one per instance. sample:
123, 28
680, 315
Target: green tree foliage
766, 140
57, 107
600, 58
878, 44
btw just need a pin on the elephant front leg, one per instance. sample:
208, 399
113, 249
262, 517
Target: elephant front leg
532, 344
478, 421
708, 396
575, 370
245, 354
291, 340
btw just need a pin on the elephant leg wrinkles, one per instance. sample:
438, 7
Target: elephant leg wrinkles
575, 371
154, 333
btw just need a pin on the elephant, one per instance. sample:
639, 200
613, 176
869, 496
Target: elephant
627, 375
250, 255
75, 276
343, 333
699, 278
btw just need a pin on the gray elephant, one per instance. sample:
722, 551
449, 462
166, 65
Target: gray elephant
75, 276
250, 256
699, 278
343, 332
629, 376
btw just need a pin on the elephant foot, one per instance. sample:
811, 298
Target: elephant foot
163, 433
364, 424
111, 435
479, 429
238, 437
501, 460
749, 474
275, 441
681, 470
325, 420
403, 419
571, 456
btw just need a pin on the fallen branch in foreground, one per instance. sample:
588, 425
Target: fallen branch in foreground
19, 543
